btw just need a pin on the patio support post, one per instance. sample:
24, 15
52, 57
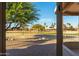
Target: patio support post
59, 17
2, 29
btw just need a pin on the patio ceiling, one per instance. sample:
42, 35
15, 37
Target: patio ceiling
69, 8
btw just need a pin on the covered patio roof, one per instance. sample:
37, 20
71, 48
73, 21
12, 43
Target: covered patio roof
69, 9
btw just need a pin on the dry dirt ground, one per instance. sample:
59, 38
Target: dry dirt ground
33, 44
31, 48
30, 44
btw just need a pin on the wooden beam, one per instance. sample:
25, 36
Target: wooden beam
59, 46
2, 29
65, 11
68, 13
66, 5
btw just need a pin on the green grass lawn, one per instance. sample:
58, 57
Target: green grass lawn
47, 33
54, 33
43, 32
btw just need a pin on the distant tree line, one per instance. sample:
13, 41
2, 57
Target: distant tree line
38, 27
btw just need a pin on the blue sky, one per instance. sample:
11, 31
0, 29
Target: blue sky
71, 19
46, 12
48, 16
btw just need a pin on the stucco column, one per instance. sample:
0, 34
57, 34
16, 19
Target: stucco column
59, 17
2, 29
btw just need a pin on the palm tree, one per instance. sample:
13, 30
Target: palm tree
64, 26
70, 27
20, 13
45, 25
53, 25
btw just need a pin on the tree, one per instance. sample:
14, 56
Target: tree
70, 27
64, 27
45, 25
20, 13
53, 25
38, 27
